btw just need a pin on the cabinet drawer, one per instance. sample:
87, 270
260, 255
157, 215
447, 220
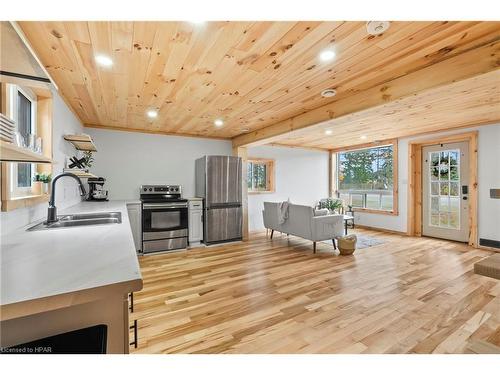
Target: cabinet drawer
195, 205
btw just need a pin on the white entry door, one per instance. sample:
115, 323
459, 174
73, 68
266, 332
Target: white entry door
445, 179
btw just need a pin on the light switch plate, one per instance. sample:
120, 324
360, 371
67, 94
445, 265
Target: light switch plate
495, 193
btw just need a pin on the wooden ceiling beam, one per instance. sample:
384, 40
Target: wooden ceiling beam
476, 61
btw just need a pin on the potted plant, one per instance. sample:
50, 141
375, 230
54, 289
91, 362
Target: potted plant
334, 205
44, 179
89, 159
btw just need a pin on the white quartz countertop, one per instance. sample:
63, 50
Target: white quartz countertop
42, 264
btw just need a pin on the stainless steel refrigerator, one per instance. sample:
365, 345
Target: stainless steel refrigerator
218, 182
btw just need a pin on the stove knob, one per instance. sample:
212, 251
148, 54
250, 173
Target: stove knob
145, 189
150, 189
176, 189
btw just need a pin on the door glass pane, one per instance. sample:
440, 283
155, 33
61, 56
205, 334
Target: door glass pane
435, 204
444, 188
454, 189
434, 174
435, 220
443, 173
443, 219
435, 188
444, 204
444, 158
454, 173
454, 204
454, 220
453, 157
434, 159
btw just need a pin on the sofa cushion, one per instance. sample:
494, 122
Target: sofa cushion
321, 212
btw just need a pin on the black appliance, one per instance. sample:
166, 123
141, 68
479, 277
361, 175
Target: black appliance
164, 218
96, 190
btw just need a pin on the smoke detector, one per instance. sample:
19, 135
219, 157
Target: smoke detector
328, 93
377, 27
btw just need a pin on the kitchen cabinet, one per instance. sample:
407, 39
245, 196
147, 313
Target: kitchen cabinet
134, 216
195, 222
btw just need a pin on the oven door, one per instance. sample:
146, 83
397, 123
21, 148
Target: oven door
164, 220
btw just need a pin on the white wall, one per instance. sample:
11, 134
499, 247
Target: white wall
488, 177
67, 194
301, 175
130, 159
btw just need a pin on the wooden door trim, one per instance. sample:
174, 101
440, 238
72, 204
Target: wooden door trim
415, 182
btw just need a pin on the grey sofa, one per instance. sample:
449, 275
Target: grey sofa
302, 222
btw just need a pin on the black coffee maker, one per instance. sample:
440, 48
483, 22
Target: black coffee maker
96, 190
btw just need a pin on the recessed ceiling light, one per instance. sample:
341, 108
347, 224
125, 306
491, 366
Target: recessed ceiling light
245, 130
328, 131
327, 55
218, 122
377, 27
363, 137
198, 22
103, 60
328, 93
152, 113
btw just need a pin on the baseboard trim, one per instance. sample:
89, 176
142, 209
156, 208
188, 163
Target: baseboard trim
489, 243
380, 229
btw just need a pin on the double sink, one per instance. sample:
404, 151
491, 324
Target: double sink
77, 220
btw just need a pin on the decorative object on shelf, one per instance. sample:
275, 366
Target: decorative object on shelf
347, 244
7, 129
75, 162
89, 159
78, 167
44, 179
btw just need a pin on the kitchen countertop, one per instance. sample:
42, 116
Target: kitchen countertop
40, 265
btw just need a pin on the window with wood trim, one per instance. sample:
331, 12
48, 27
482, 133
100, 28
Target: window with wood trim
23, 109
367, 178
31, 109
260, 178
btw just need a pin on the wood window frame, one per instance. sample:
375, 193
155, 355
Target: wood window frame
415, 189
44, 103
333, 183
270, 175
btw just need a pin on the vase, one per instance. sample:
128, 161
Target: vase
45, 188
36, 188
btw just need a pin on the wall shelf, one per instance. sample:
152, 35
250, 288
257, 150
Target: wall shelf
82, 142
12, 153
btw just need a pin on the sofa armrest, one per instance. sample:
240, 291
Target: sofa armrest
327, 227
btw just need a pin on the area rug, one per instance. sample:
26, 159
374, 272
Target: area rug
363, 242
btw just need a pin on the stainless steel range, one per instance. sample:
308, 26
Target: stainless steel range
164, 218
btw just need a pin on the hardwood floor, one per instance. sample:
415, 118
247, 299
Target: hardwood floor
407, 295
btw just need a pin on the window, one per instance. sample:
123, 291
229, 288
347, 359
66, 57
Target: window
25, 127
260, 176
23, 110
366, 178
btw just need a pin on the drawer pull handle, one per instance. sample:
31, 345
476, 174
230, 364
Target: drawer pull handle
135, 333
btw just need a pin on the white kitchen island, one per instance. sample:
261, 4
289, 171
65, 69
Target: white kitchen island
59, 280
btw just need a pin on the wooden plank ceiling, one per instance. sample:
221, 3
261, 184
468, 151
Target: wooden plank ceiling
473, 101
250, 74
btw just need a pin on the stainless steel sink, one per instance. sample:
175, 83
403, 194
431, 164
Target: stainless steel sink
76, 220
